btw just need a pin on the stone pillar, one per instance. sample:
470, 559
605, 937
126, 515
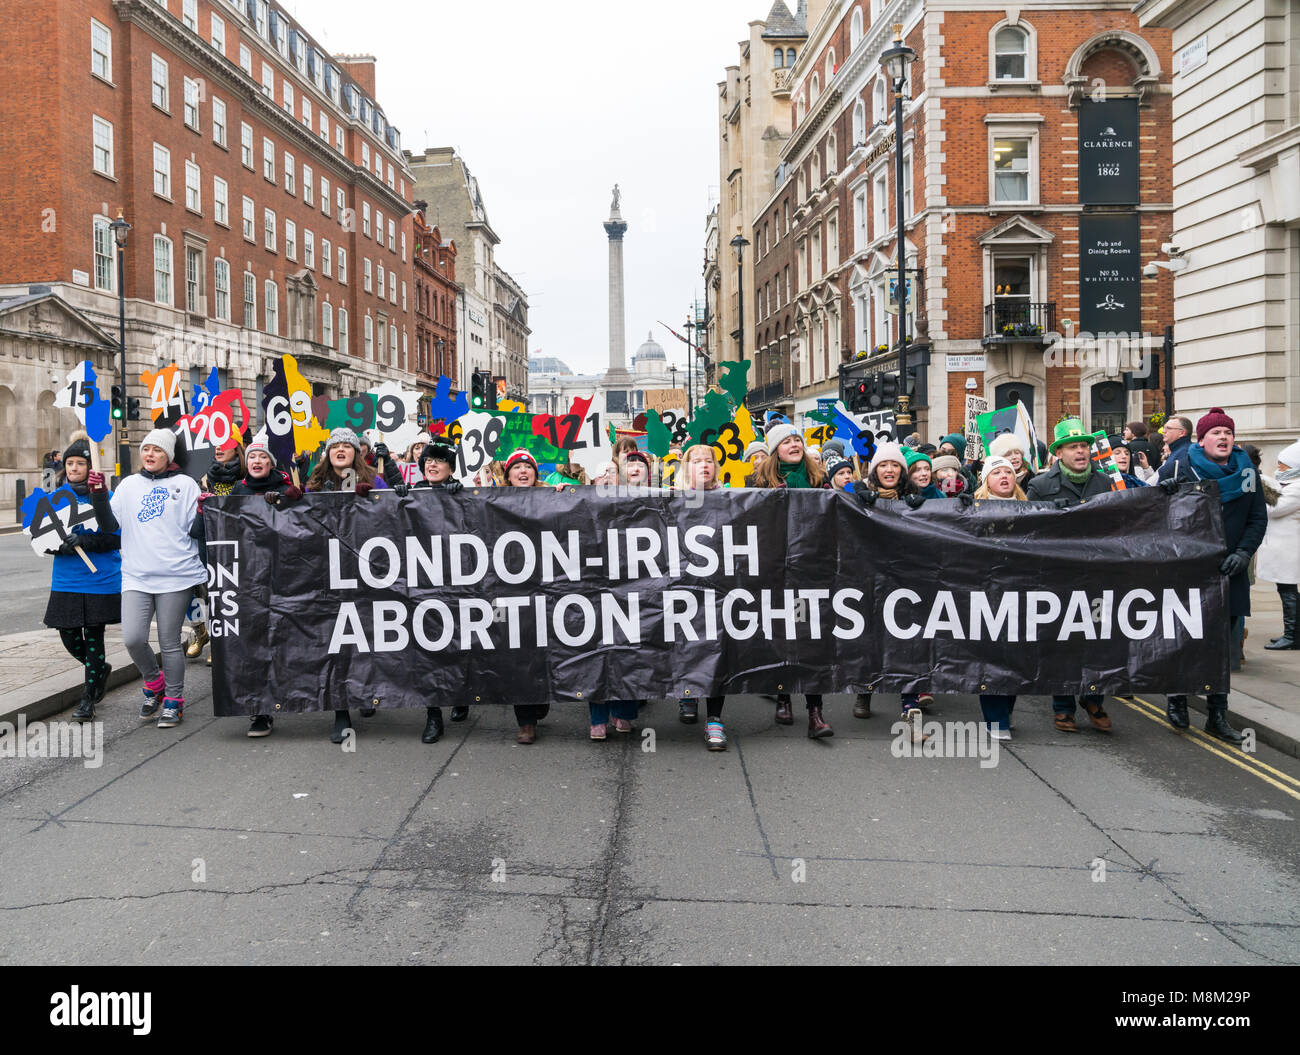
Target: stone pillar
614, 229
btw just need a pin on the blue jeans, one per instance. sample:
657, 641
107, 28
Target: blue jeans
910, 700
1065, 704
997, 710
601, 713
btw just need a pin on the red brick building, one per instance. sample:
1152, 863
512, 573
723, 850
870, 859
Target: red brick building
999, 238
266, 191
436, 290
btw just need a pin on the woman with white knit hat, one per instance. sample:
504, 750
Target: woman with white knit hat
1278, 560
1009, 446
789, 465
155, 509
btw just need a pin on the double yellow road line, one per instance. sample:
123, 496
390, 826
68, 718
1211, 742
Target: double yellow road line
1282, 781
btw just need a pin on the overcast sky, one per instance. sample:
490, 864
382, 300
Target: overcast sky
551, 104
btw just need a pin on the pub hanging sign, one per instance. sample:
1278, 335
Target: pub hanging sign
1108, 152
1109, 273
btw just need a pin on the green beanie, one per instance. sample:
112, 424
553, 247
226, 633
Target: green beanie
915, 456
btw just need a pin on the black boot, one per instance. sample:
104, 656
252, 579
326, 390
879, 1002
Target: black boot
459, 714
342, 723
102, 685
1290, 604
1176, 712
85, 711
433, 727
1216, 723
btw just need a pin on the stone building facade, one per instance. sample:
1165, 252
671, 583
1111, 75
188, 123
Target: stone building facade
436, 295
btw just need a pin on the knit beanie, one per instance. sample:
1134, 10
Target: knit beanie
259, 444
520, 455
914, 456
342, 435
778, 432
833, 446
1213, 420
957, 440
995, 463
889, 452
1288, 456
439, 450
946, 461
757, 447
164, 438
79, 447
1004, 443
835, 463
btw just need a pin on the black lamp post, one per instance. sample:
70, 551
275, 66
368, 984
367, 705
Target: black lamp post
690, 361
738, 244
895, 61
120, 228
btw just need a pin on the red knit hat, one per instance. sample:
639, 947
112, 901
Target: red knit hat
1213, 420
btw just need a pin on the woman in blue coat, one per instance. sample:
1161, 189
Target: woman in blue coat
83, 602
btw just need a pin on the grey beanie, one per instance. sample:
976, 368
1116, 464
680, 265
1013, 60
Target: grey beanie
342, 435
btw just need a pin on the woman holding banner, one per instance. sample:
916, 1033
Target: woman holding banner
699, 472
155, 510
1008, 445
998, 482
343, 468
82, 602
789, 465
226, 470
521, 471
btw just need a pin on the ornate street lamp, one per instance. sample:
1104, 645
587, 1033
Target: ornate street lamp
895, 60
120, 229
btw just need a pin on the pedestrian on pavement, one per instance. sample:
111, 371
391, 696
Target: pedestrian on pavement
226, 470
1278, 560
789, 465
344, 468
1071, 481
999, 483
154, 510
1137, 436
83, 602
699, 472
263, 479
521, 471
1215, 456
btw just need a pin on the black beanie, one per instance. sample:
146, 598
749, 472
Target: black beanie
440, 449
78, 448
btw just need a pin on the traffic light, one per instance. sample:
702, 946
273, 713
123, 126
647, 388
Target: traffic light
888, 389
117, 406
478, 391
132, 409
1135, 383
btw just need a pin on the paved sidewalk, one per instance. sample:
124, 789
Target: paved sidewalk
38, 678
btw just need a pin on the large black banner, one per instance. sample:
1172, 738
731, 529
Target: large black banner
1108, 152
531, 595
1110, 299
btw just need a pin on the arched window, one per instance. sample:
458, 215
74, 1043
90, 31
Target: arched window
789, 56
879, 106
778, 58
859, 123
800, 109
816, 89
832, 155
830, 65
802, 187
855, 29
816, 170
1010, 54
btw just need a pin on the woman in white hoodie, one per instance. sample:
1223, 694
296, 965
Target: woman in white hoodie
155, 510
1278, 560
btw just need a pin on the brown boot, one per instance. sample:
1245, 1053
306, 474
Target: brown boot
526, 735
784, 716
1098, 716
862, 709
818, 728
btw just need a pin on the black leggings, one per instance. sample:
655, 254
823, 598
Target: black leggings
811, 700
86, 645
713, 706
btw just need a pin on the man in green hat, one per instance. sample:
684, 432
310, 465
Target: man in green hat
1070, 482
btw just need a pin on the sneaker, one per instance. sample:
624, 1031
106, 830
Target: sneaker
173, 710
598, 732
153, 691
715, 737
998, 733
1065, 722
260, 725
1098, 716
688, 712
622, 725
924, 699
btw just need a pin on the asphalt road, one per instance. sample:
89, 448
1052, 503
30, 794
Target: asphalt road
200, 845
24, 584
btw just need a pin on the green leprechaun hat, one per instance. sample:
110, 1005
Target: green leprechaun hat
1071, 430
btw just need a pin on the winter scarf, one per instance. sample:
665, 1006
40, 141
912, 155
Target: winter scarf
1231, 478
1287, 475
221, 477
1079, 478
795, 474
